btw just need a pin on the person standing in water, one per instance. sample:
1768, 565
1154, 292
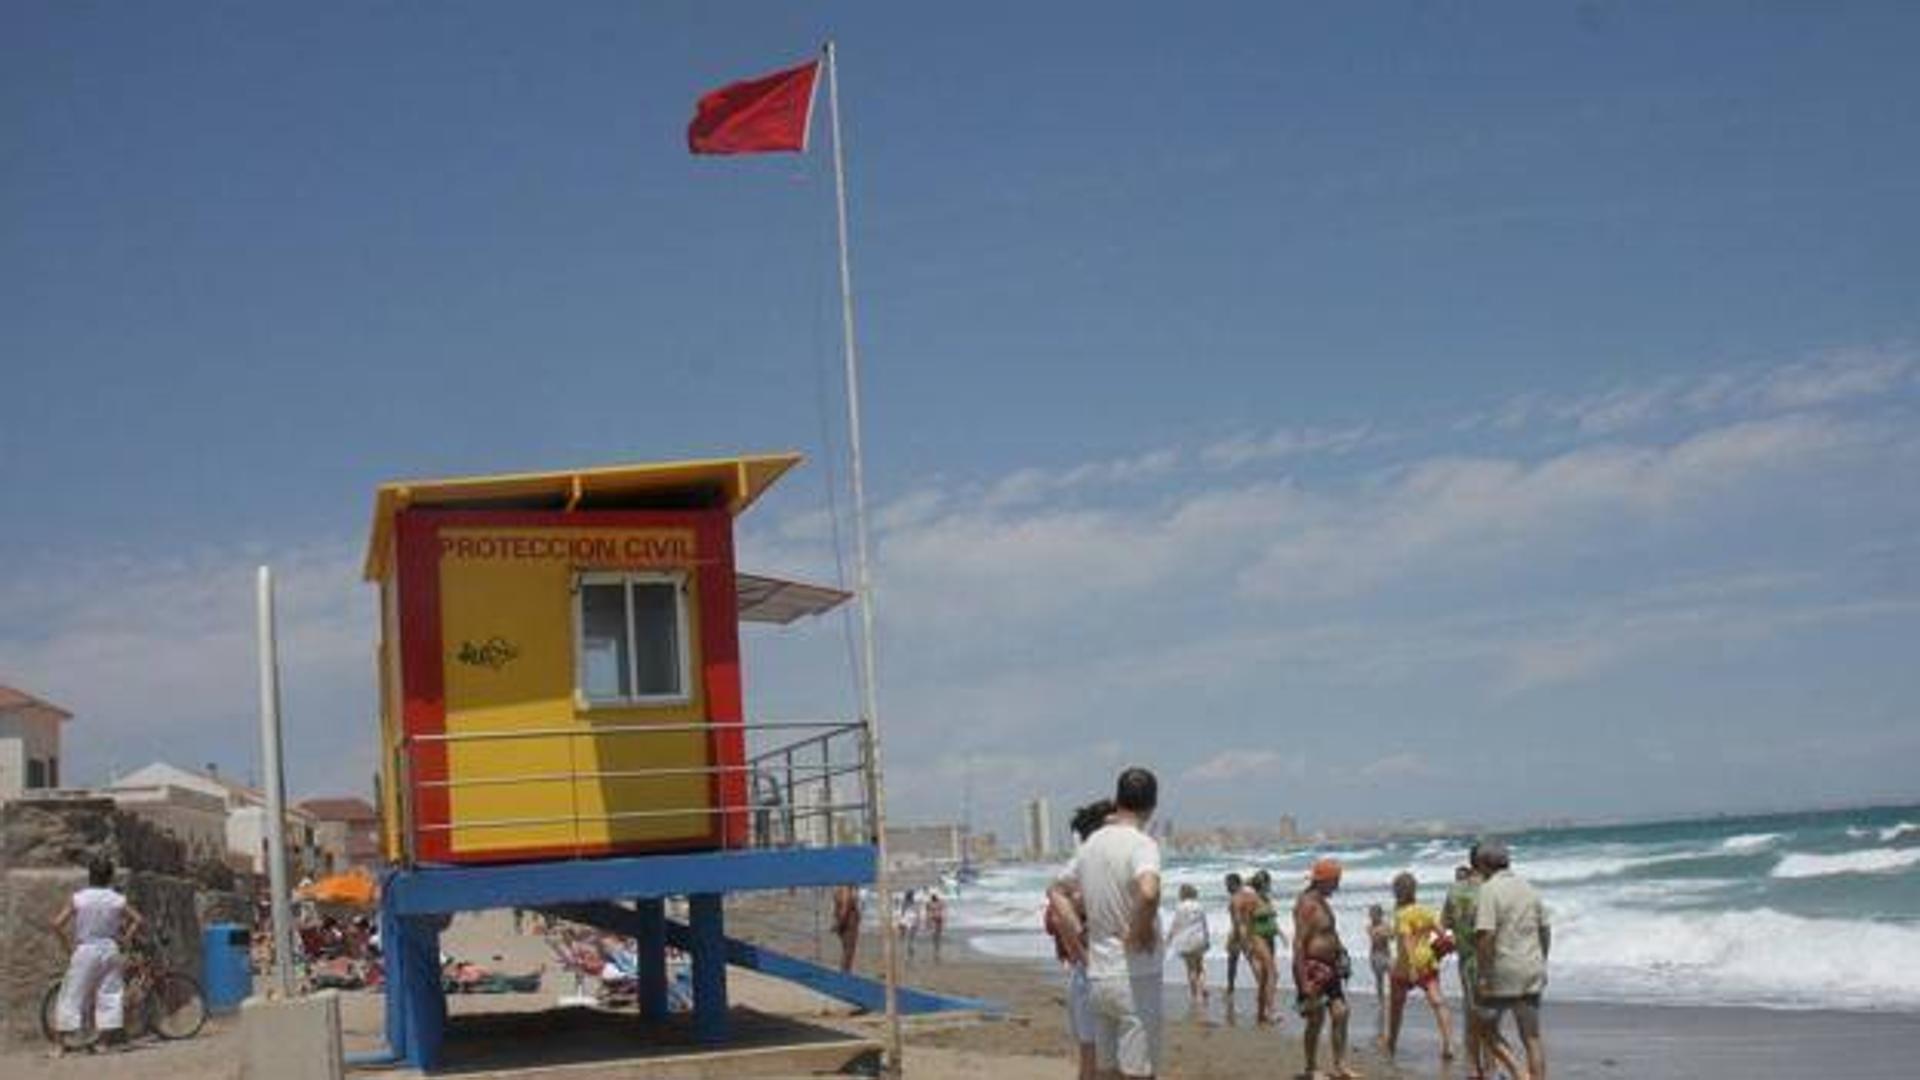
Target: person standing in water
1263, 927
907, 921
1188, 939
1236, 933
936, 920
1380, 959
846, 923
1415, 964
1512, 938
1320, 968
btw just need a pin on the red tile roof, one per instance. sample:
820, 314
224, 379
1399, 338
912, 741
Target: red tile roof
11, 698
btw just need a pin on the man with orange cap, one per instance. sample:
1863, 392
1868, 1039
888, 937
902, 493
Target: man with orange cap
1320, 966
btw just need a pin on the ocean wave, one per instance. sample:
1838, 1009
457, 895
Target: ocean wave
1750, 842
1870, 861
1894, 832
1760, 957
1605, 952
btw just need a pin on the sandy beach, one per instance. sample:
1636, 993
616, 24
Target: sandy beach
517, 1032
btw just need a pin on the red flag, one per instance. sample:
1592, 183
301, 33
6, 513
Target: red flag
757, 116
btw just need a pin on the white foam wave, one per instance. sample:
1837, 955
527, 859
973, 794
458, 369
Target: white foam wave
1747, 957
1859, 833
1894, 832
1870, 861
1750, 842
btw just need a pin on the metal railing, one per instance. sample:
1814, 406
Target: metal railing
806, 783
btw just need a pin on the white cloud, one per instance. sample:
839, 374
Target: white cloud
1394, 767
1160, 612
1032, 485
1245, 764
1246, 448
1439, 513
157, 660
1839, 376
1828, 378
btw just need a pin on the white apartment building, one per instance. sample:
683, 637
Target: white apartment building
29, 743
1039, 823
246, 816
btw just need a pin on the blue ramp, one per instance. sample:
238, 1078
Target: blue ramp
855, 990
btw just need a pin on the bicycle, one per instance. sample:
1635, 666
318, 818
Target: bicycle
159, 1000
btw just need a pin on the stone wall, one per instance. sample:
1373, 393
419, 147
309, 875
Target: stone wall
44, 848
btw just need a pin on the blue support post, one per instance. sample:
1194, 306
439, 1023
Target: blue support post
708, 923
422, 999
393, 962
652, 944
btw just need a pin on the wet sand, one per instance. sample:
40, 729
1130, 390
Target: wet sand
1584, 1040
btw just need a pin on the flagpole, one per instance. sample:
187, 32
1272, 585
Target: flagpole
869, 698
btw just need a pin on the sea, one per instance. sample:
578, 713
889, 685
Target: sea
1816, 910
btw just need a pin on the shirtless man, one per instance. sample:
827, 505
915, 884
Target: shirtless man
1320, 967
1234, 930
846, 923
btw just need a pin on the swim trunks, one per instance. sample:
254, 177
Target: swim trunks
1323, 984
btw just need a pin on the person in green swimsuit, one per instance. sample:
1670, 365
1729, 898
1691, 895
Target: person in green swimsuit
1262, 928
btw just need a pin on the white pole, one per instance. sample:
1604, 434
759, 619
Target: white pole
869, 697
276, 790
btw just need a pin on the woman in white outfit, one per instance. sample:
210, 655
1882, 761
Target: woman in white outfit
91, 926
1188, 939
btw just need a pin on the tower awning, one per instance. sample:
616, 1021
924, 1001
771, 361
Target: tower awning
775, 600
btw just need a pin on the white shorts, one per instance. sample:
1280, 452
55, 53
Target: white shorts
1126, 1023
1079, 1007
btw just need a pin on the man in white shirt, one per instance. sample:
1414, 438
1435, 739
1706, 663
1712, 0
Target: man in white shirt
1116, 873
1512, 939
91, 926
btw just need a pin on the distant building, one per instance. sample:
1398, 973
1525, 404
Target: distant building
924, 846
1039, 822
29, 743
246, 817
982, 848
346, 832
196, 819
1289, 829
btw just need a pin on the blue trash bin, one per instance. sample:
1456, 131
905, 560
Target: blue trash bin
224, 954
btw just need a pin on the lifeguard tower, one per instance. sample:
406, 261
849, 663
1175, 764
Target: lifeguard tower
562, 728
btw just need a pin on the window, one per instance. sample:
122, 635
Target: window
36, 774
632, 633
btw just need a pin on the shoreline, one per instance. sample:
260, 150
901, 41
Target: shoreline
1584, 1038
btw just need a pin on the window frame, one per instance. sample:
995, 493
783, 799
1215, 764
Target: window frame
683, 628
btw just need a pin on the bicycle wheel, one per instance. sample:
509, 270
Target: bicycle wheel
50, 1020
175, 1009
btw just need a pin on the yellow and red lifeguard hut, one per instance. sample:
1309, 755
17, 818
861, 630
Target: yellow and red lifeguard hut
562, 727
560, 660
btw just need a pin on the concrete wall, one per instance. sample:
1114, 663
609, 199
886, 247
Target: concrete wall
196, 819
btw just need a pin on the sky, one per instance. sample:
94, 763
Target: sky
1476, 412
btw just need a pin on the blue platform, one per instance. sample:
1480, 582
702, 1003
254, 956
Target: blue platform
416, 905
